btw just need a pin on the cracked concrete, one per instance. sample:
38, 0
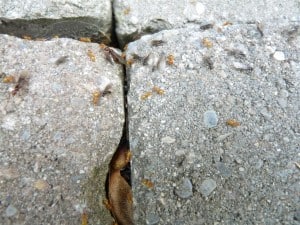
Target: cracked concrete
213, 110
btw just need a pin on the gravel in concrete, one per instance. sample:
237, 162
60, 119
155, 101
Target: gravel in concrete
135, 18
244, 171
61, 118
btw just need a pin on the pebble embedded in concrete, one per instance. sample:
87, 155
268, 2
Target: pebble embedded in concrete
207, 187
210, 119
152, 219
223, 169
278, 55
11, 211
184, 189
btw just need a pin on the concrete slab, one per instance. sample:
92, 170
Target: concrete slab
135, 18
61, 119
214, 125
45, 19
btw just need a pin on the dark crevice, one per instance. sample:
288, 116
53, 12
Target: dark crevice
46, 29
124, 142
114, 39
115, 43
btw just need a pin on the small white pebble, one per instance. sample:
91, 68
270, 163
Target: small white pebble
286, 139
168, 140
200, 8
279, 56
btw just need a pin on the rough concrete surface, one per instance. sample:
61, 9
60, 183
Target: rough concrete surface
56, 135
135, 18
69, 18
213, 110
214, 125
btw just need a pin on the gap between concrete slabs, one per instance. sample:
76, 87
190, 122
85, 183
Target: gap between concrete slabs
184, 187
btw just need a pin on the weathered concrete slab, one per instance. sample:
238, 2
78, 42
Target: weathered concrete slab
45, 19
214, 125
135, 18
56, 135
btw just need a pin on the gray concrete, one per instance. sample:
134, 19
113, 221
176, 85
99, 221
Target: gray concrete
44, 19
135, 18
216, 127
56, 139
213, 111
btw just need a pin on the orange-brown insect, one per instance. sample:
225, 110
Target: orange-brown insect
107, 205
146, 95
147, 183
91, 55
40, 39
207, 43
129, 62
102, 46
170, 59
85, 39
26, 37
227, 23
96, 96
233, 123
9, 79
84, 218
158, 90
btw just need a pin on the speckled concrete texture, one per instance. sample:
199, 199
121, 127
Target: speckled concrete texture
213, 110
214, 125
55, 134
135, 18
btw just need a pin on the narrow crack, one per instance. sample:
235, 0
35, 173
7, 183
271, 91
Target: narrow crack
118, 181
